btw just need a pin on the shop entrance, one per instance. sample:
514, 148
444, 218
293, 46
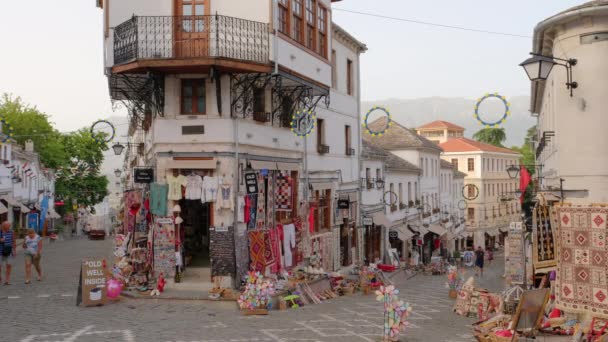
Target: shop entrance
194, 234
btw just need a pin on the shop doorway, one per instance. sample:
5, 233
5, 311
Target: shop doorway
195, 233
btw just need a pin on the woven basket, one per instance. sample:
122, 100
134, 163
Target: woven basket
494, 338
453, 294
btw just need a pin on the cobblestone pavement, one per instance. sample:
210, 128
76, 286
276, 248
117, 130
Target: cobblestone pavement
46, 311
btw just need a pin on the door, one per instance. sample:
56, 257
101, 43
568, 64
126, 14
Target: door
191, 25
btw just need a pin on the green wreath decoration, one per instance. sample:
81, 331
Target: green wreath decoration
504, 116
9, 135
389, 121
98, 140
303, 130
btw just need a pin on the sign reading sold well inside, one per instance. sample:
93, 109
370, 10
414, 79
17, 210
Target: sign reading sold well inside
92, 289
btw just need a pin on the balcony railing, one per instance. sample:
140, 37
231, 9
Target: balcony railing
182, 37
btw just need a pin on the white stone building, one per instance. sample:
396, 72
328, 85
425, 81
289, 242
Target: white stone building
571, 140
212, 87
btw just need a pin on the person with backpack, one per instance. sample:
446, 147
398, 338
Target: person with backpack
8, 249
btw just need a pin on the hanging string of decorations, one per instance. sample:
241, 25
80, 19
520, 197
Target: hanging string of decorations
8, 128
303, 123
381, 131
504, 116
102, 126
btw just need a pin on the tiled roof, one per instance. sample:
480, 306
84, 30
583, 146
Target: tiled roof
373, 152
398, 137
446, 164
459, 174
441, 124
396, 163
392, 161
468, 145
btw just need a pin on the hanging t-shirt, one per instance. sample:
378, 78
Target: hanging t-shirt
175, 186
158, 199
210, 185
225, 199
194, 187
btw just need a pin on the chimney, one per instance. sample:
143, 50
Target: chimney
29, 145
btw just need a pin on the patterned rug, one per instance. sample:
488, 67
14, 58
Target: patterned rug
543, 249
269, 256
261, 207
256, 250
283, 192
581, 284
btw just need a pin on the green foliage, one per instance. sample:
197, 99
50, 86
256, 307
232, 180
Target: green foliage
77, 154
492, 136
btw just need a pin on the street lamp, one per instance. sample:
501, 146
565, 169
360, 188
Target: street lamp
118, 148
379, 183
117, 172
513, 171
538, 68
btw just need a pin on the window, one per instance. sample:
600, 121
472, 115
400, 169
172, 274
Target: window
426, 167
310, 24
297, 31
320, 132
471, 214
392, 203
259, 100
334, 71
455, 163
284, 16
322, 211
409, 191
368, 178
471, 164
422, 166
471, 191
322, 28
378, 174
193, 96
347, 139
400, 193
349, 77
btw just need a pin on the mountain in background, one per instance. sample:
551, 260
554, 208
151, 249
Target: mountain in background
417, 112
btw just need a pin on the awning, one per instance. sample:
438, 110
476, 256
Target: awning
503, 229
263, 165
437, 229
11, 201
3, 209
448, 225
380, 219
24, 209
466, 234
288, 166
193, 164
493, 232
53, 214
404, 233
545, 197
422, 230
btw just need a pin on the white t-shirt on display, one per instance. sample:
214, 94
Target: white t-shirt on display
210, 188
175, 187
194, 187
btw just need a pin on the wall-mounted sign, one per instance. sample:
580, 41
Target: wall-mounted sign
343, 204
92, 290
368, 221
251, 183
393, 234
143, 176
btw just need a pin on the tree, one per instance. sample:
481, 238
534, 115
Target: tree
76, 156
492, 136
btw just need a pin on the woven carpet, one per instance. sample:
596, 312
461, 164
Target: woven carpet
269, 256
581, 284
256, 250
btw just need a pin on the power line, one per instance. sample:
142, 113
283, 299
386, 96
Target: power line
420, 22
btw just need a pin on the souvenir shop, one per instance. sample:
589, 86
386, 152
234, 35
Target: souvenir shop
346, 217
373, 236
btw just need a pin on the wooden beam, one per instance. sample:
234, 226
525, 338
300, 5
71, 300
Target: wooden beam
168, 65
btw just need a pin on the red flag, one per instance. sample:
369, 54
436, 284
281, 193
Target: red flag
524, 180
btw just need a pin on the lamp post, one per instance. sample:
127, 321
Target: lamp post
538, 67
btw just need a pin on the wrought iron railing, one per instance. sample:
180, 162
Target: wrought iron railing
169, 37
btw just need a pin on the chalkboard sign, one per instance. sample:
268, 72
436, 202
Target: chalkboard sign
368, 221
251, 182
143, 176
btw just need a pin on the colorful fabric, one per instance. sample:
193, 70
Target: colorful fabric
253, 210
256, 250
283, 192
270, 204
276, 250
269, 256
581, 284
261, 207
164, 248
543, 247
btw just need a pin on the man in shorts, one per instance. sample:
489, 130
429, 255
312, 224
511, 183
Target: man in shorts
8, 250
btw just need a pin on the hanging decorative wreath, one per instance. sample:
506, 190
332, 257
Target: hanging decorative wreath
389, 121
462, 204
504, 116
475, 192
9, 130
303, 123
97, 137
392, 195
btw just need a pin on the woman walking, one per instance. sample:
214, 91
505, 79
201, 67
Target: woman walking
33, 253
8, 249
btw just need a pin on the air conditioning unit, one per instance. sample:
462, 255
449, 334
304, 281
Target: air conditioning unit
323, 149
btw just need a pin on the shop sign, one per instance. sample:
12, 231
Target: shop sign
92, 290
393, 234
251, 182
221, 229
343, 204
164, 220
16, 209
368, 221
143, 176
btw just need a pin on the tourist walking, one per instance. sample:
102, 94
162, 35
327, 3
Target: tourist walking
479, 255
32, 247
490, 255
8, 249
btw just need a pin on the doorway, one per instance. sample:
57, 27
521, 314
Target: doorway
195, 233
191, 28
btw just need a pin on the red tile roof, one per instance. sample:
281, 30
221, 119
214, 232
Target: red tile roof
441, 124
468, 145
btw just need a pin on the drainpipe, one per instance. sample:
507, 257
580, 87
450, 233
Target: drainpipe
360, 149
275, 26
236, 190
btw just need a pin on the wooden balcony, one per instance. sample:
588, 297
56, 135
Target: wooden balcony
191, 44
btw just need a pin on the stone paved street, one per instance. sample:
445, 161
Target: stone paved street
46, 311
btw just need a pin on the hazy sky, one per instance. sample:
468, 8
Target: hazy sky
51, 52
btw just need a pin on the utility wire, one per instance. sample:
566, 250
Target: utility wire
420, 22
